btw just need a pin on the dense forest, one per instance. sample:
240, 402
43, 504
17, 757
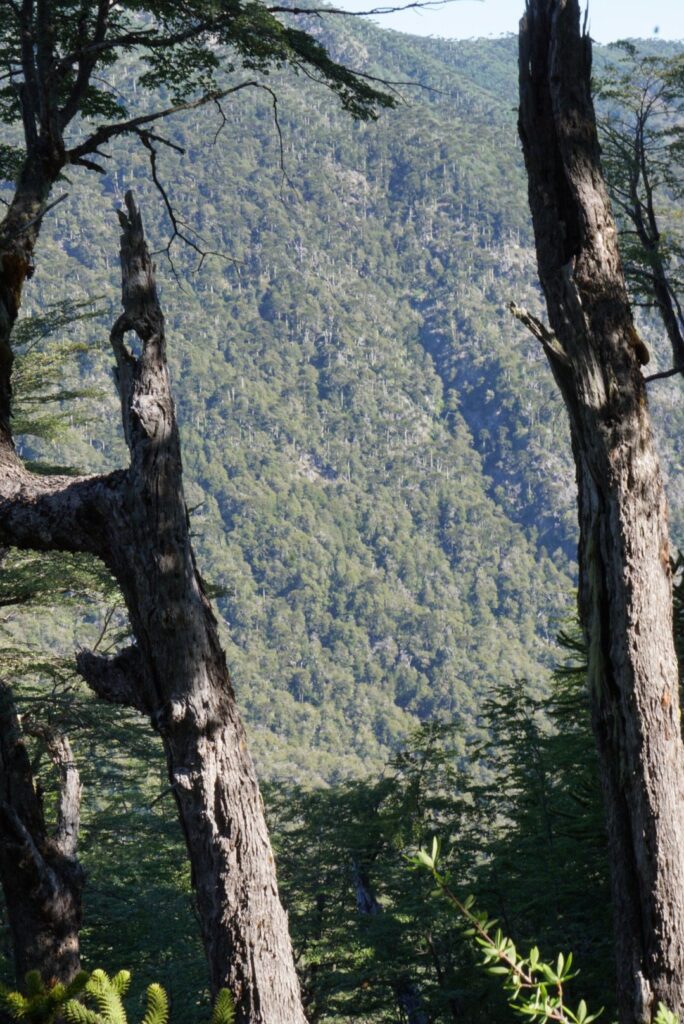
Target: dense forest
381, 494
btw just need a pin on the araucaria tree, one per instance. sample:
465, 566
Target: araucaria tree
625, 596
135, 520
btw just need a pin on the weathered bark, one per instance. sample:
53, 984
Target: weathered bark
19, 232
625, 582
177, 673
41, 877
136, 522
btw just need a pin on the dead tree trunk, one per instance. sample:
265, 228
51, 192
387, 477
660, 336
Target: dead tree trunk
136, 521
625, 581
41, 877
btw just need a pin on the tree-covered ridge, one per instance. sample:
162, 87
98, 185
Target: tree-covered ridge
377, 476
340, 501
368, 459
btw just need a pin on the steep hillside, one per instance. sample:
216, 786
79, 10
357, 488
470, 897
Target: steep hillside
376, 459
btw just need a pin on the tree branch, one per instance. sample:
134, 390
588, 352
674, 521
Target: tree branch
120, 679
426, 4
36, 220
86, 64
664, 373
112, 131
548, 339
178, 227
57, 513
65, 836
132, 39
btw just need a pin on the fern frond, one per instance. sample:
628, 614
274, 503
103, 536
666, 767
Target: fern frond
76, 1013
57, 994
15, 1004
121, 981
106, 996
157, 1011
224, 1008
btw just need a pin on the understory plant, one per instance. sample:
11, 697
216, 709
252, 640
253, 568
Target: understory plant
536, 987
95, 999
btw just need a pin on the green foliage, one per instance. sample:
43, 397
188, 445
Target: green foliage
224, 1008
43, 1004
361, 932
374, 571
107, 994
381, 487
185, 51
537, 988
157, 1011
545, 798
642, 139
665, 1016
47, 377
381, 484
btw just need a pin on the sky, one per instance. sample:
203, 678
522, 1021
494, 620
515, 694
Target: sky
608, 19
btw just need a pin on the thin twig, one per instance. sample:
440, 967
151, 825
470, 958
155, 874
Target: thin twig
109, 614
177, 224
664, 373
371, 12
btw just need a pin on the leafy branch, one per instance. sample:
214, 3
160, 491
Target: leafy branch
537, 988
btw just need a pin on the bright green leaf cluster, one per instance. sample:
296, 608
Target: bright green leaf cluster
665, 1016
537, 988
41, 1002
44, 1004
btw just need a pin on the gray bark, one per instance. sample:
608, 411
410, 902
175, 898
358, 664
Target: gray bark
625, 582
41, 877
136, 521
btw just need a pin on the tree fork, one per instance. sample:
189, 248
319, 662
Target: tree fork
625, 582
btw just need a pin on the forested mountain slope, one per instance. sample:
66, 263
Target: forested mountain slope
376, 459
